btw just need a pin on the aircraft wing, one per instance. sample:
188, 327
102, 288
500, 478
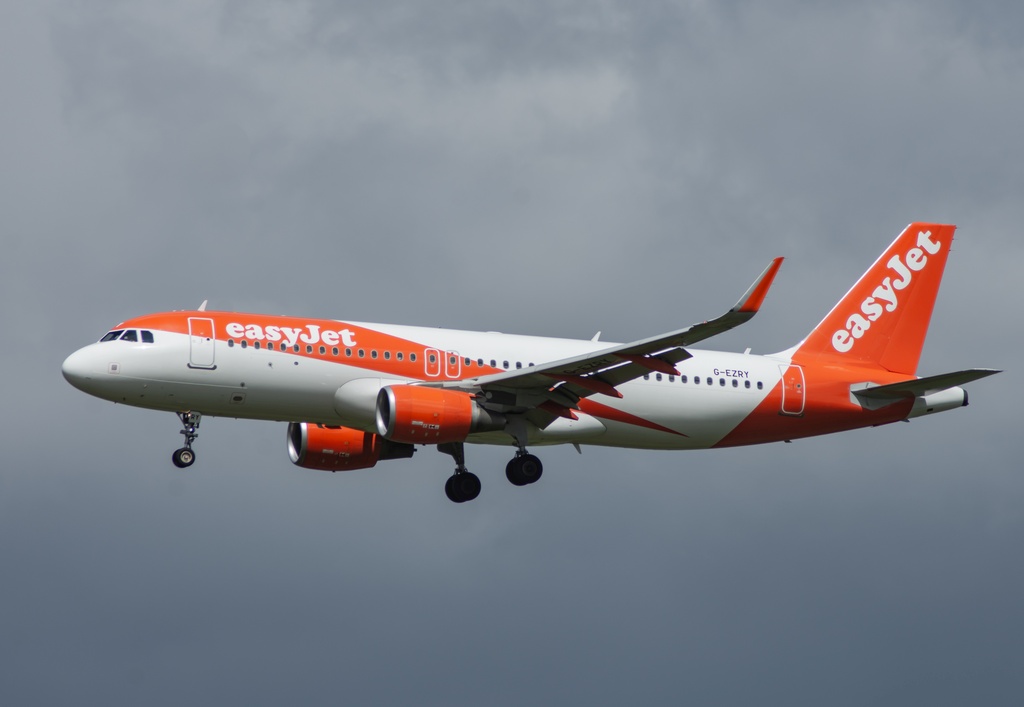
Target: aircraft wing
558, 386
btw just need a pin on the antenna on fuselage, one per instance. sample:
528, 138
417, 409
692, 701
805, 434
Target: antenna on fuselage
202, 307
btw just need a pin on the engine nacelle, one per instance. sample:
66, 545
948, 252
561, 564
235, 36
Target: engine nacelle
420, 415
339, 448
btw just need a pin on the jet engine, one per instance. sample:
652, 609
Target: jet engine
421, 415
340, 448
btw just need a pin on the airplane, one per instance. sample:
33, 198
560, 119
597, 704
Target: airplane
354, 394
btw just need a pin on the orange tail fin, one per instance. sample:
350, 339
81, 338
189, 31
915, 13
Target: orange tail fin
882, 321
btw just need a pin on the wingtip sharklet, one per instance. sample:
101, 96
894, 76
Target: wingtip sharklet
752, 299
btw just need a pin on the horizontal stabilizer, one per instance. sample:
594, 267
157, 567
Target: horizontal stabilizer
922, 386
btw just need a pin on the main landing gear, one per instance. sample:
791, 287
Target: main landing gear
185, 457
463, 485
523, 469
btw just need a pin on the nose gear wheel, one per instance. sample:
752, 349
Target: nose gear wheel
185, 457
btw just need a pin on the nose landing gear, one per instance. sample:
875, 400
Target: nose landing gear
185, 457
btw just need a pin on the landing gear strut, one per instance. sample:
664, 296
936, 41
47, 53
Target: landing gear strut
524, 468
185, 457
463, 485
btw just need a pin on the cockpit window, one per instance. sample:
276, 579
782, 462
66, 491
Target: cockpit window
142, 335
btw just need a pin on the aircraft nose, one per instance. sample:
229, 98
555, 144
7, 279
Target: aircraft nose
78, 369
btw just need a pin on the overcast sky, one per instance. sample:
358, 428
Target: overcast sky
548, 168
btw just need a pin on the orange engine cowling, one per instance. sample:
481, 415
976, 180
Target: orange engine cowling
339, 448
419, 415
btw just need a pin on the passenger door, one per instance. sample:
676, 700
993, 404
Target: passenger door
793, 393
201, 343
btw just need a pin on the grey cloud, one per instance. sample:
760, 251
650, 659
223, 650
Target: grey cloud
538, 168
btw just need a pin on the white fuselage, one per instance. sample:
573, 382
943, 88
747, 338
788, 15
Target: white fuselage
224, 378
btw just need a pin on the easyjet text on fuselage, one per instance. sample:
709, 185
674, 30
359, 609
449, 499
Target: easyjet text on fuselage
309, 334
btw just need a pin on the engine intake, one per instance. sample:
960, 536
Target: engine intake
419, 415
340, 448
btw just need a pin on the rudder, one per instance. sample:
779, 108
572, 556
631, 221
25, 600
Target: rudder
882, 321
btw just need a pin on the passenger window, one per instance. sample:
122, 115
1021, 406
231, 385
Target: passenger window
256, 345
323, 350
721, 382
746, 384
735, 383
309, 349
147, 337
760, 385
468, 361
682, 379
348, 352
362, 353
334, 351
657, 376
111, 335
412, 357
399, 356
231, 343
244, 344
387, 355
130, 335
505, 364
696, 380
432, 358
647, 376
296, 350
270, 346
671, 379
519, 364
494, 364
709, 382
480, 362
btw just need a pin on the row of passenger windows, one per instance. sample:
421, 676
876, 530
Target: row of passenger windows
697, 380
453, 360
494, 363
373, 354
361, 353
432, 358
142, 335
